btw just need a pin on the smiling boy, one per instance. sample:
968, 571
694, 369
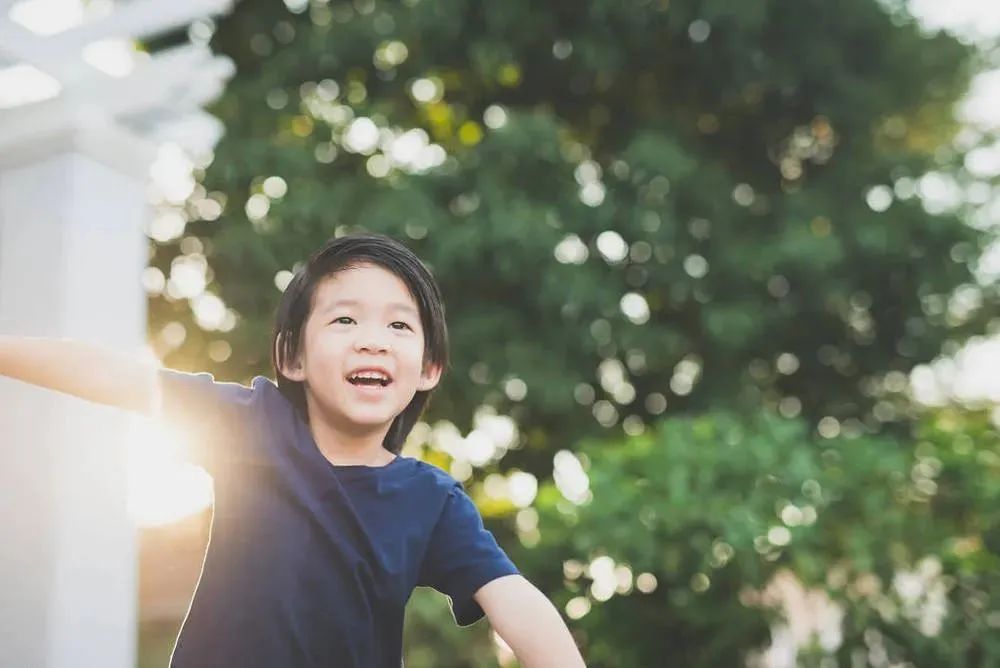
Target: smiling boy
321, 528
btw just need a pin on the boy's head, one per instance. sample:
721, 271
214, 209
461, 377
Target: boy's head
363, 301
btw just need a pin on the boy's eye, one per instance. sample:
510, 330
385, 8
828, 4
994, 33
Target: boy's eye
341, 321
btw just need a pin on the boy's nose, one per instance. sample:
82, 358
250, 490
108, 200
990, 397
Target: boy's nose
372, 340
372, 347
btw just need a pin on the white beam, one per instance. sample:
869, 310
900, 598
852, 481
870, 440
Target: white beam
18, 44
59, 55
175, 81
141, 19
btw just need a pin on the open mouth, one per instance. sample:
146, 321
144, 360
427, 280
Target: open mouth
369, 380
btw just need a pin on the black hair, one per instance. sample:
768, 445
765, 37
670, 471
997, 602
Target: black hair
339, 254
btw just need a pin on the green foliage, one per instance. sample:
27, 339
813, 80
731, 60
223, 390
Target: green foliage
715, 506
735, 169
430, 627
715, 159
957, 470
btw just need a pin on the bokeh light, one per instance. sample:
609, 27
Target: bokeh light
163, 486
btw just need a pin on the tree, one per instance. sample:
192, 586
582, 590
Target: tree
731, 150
637, 210
690, 522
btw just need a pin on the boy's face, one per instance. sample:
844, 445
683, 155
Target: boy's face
363, 318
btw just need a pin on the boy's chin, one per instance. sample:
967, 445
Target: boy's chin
372, 420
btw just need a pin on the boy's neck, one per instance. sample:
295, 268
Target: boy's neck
342, 448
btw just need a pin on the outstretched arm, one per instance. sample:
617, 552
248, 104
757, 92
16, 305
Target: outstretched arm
529, 623
95, 373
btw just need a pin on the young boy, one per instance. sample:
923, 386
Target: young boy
321, 529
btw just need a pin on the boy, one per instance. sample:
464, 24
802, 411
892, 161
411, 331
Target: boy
321, 529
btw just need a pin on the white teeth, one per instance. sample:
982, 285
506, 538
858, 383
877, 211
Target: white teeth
371, 375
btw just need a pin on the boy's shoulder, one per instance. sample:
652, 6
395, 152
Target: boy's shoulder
433, 475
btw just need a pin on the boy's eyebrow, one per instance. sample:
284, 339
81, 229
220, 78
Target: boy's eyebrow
396, 306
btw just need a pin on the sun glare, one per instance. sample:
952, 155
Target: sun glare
162, 486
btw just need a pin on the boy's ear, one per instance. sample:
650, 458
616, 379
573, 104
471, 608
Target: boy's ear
429, 377
293, 370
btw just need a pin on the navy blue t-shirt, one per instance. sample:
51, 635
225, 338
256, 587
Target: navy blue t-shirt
308, 563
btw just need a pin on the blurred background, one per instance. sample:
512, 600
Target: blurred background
721, 280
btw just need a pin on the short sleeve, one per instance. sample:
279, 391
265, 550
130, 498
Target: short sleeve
462, 556
214, 417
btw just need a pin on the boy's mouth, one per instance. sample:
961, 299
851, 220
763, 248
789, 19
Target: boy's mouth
369, 378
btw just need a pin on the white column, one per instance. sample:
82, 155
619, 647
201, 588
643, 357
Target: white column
72, 250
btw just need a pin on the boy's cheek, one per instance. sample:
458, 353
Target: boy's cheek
328, 354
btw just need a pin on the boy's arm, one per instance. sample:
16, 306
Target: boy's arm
529, 623
84, 370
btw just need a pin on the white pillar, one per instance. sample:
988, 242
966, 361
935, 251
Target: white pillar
72, 251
